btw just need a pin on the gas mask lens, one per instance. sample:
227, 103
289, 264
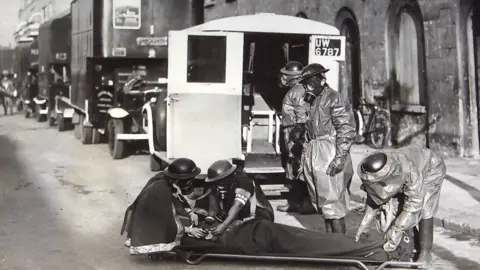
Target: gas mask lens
186, 186
222, 191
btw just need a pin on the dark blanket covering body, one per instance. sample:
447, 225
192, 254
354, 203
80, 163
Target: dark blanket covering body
150, 221
260, 237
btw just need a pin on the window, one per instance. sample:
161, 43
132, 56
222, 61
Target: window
207, 58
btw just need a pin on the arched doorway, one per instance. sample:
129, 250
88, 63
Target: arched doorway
406, 87
198, 16
472, 144
350, 82
302, 15
407, 61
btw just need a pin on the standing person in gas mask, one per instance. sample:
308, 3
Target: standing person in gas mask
327, 165
294, 116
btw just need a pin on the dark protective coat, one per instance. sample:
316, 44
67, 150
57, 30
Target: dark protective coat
294, 111
151, 221
261, 237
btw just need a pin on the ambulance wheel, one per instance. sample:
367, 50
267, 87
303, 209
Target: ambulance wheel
97, 137
156, 164
40, 117
76, 131
116, 147
86, 133
60, 122
154, 257
52, 120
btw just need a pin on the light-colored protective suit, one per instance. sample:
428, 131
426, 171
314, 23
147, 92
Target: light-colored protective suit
334, 132
294, 111
414, 172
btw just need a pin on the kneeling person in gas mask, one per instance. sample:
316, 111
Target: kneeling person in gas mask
237, 195
153, 222
327, 165
416, 174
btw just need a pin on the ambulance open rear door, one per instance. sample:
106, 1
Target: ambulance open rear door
205, 76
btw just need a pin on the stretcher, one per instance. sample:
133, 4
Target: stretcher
195, 258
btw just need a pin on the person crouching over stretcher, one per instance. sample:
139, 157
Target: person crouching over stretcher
411, 172
151, 225
237, 195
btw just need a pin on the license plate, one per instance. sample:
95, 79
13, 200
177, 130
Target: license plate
152, 41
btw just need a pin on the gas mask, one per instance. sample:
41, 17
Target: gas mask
186, 186
223, 188
286, 81
313, 87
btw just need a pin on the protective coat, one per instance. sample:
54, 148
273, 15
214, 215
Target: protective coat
415, 172
294, 111
334, 131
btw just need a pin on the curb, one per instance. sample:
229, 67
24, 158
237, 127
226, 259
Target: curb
439, 222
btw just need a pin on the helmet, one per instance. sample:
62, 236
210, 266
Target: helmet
312, 70
374, 163
292, 68
219, 170
381, 175
182, 168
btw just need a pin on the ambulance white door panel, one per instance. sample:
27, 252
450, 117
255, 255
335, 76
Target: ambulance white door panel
328, 51
205, 75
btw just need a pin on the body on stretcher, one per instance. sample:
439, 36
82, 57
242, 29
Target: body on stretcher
251, 240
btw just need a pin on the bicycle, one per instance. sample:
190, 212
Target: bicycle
376, 130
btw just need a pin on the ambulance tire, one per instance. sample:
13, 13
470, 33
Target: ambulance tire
116, 147
86, 133
40, 117
60, 122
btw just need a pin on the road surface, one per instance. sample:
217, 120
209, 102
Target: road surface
62, 205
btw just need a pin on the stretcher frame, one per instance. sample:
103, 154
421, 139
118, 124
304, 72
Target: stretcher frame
193, 258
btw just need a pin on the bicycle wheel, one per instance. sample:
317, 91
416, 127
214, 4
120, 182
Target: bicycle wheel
379, 130
359, 127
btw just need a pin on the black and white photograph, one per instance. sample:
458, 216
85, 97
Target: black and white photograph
239, 134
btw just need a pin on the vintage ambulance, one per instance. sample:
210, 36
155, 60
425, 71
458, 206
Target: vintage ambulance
222, 83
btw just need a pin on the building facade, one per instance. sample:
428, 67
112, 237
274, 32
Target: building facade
420, 55
32, 13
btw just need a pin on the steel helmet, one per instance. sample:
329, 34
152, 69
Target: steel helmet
292, 68
219, 170
381, 175
182, 168
312, 70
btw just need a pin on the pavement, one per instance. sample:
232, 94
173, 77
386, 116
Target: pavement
62, 206
459, 208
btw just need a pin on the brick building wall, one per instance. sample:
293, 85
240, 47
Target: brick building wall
437, 107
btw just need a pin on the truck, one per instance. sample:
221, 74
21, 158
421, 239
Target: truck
26, 69
6, 60
54, 70
225, 77
111, 39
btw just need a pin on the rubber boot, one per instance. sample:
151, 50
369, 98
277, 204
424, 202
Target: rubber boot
328, 225
425, 229
338, 225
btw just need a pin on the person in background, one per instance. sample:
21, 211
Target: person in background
294, 116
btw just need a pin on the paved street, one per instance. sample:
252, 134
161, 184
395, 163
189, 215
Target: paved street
62, 204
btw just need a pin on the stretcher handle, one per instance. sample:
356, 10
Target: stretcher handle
202, 257
400, 264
